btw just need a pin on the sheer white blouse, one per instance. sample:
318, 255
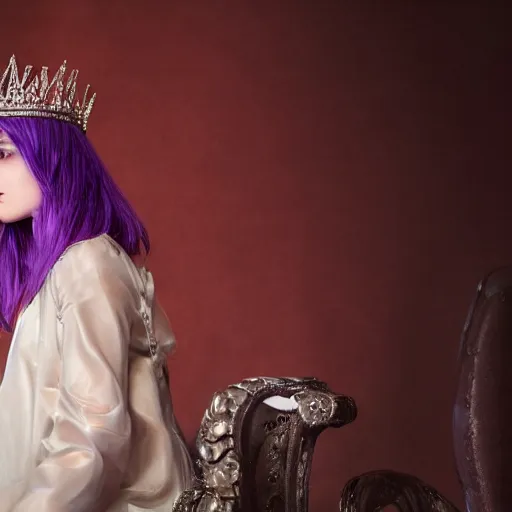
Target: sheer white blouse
86, 417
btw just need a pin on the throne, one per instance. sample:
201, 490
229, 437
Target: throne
255, 445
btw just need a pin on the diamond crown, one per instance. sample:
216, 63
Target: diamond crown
35, 96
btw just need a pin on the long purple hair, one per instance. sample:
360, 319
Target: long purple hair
80, 201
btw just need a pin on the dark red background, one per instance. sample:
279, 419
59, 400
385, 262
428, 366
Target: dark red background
324, 183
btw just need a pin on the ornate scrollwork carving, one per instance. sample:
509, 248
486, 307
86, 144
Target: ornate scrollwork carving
243, 440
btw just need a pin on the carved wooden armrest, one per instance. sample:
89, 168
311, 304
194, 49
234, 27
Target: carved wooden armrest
256, 458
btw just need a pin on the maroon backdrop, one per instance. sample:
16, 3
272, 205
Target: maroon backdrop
324, 186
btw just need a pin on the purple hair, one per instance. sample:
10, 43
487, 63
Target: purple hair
80, 201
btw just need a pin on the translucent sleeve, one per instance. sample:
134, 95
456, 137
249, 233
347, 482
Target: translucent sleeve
84, 456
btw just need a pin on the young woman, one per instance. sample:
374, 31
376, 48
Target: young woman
86, 418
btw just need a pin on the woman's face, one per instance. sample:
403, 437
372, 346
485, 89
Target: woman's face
20, 195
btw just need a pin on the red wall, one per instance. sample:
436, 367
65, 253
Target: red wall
324, 187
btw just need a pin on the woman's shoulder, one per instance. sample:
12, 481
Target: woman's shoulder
96, 249
95, 259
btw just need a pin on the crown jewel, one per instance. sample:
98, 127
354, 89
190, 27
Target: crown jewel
35, 96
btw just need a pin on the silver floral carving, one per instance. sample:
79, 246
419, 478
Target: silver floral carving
219, 462
223, 475
212, 452
301, 473
315, 407
255, 385
214, 503
202, 500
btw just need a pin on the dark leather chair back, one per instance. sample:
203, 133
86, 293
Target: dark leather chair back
482, 419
